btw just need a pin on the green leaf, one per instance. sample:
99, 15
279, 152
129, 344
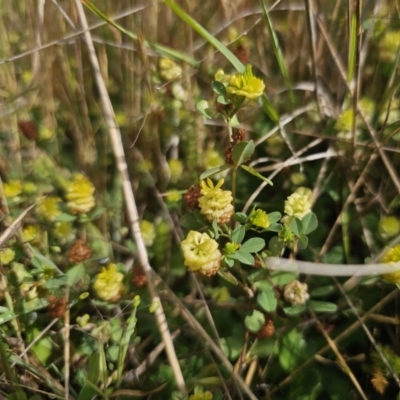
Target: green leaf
43, 348
323, 291
97, 213
75, 274
309, 222
242, 151
259, 275
223, 100
269, 108
296, 226
263, 285
213, 171
253, 245
281, 278
203, 107
238, 234
42, 260
267, 300
274, 216
228, 277
262, 348
64, 217
322, 306
243, 256
303, 242
275, 227
6, 316
294, 310
240, 217
229, 262
193, 221
219, 88
253, 172
206, 35
56, 282
255, 321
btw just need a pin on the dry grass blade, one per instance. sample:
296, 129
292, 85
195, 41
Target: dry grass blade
367, 331
130, 201
10, 231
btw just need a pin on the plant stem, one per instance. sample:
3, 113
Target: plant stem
228, 123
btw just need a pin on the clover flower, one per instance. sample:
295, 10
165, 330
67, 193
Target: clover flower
31, 233
108, 284
296, 293
389, 226
80, 195
220, 76
215, 203
169, 69
298, 204
63, 231
259, 218
148, 232
6, 256
212, 158
200, 395
12, 189
246, 84
201, 253
388, 46
392, 256
175, 169
48, 208
174, 196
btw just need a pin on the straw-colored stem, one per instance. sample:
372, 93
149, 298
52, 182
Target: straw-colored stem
132, 210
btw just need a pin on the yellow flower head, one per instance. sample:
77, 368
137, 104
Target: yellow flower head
175, 169
246, 84
31, 233
174, 196
108, 284
392, 256
201, 253
259, 218
388, 46
200, 395
63, 230
169, 69
12, 188
344, 123
48, 208
389, 226
148, 232
80, 195
212, 158
220, 76
6, 256
215, 203
298, 204
296, 293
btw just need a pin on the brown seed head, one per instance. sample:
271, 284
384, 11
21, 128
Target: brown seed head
192, 197
139, 278
79, 251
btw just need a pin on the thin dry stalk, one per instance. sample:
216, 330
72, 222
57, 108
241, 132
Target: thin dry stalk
389, 297
367, 331
340, 358
130, 202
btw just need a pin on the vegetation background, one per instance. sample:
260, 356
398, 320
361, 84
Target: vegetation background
332, 125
